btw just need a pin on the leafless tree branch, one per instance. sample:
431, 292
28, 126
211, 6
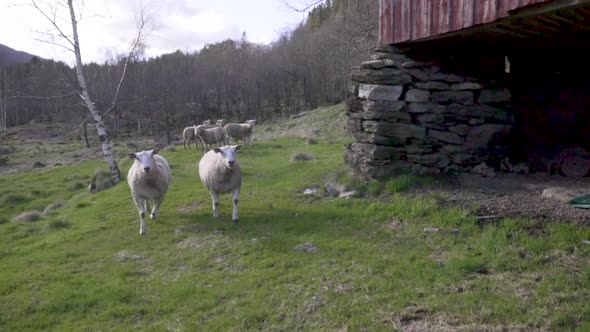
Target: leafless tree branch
54, 43
304, 9
142, 21
53, 21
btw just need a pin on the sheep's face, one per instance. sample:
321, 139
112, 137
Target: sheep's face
228, 153
251, 122
220, 122
145, 159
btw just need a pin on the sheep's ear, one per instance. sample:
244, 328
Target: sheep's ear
217, 150
237, 147
155, 151
132, 155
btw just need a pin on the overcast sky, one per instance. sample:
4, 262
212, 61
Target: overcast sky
109, 26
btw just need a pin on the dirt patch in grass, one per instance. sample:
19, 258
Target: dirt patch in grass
568, 261
127, 256
310, 306
190, 243
439, 255
508, 196
193, 206
395, 225
519, 284
419, 319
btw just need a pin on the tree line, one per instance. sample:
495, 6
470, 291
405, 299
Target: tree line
233, 79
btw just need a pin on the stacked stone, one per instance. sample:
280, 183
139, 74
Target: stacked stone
409, 116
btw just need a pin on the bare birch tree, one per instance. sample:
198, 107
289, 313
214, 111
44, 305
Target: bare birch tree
3, 100
73, 44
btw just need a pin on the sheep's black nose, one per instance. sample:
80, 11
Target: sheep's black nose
147, 169
231, 162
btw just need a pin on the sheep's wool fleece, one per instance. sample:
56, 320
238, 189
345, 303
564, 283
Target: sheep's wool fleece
152, 185
216, 176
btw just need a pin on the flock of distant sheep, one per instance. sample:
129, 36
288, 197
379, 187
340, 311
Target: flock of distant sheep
149, 177
209, 134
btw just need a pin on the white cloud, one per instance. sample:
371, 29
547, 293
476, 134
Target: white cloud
109, 26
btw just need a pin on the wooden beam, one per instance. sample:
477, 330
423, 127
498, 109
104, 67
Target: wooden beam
545, 7
516, 22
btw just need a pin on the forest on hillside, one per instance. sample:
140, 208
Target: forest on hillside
233, 79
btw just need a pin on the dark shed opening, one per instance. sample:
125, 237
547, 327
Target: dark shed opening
547, 58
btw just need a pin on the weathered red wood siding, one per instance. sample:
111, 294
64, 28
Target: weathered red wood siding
406, 20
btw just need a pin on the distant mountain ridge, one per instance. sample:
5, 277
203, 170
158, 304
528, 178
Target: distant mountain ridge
9, 56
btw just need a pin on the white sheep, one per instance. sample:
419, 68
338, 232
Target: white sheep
148, 178
220, 173
189, 134
199, 129
242, 131
212, 136
207, 122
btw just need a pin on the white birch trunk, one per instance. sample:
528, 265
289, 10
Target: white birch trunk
100, 128
3, 100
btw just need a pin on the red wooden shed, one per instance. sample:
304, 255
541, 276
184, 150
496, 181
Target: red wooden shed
410, 21
538, 49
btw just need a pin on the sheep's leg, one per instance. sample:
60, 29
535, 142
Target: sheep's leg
215, 200
141, 204
236, 196
156, 209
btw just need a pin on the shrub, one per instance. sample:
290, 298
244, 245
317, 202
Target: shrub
28, 216
374, 187
100, 181
53, 206
14, 199
58, 224
76, 186
38, 164
298, 156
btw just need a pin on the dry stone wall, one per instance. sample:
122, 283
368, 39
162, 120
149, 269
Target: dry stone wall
409, 116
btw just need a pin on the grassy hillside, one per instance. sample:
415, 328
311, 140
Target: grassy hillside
293, 262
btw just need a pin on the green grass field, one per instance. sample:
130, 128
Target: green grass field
84, 267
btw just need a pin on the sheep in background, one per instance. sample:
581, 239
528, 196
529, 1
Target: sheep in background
148, 178
207, 122
242, 131
220, 173
212, 136
189, 134
200, 128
